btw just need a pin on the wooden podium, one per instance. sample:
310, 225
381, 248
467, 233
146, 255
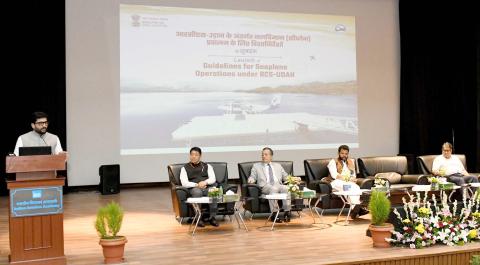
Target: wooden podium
36, 209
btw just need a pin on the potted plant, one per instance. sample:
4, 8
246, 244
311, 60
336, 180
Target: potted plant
379, 207
108, 223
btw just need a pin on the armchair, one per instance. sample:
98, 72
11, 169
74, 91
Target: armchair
425, 163
370, 166
315, 171
180, 194
256, 204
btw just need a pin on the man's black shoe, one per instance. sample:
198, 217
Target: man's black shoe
287, 216
278, 220
273, 218
354, 212
201, 223
213, 222
363, 211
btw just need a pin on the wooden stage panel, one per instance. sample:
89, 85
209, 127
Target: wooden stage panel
154, 237
459, 257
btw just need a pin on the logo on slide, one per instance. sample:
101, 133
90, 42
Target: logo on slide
136, 20
340, 28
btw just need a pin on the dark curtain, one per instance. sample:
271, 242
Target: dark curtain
440, 78
35, 71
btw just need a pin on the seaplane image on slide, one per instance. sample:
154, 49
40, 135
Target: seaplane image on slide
240, 119
238, 107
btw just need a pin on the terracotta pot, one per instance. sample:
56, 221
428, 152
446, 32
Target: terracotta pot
113, 249
379, 233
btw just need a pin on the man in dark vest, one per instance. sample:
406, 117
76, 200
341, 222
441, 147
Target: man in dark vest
342, 173
198, 177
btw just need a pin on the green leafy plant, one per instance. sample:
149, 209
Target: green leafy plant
379, 207
109, 220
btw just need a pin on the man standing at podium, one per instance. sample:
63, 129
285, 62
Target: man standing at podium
31, 243
39, 135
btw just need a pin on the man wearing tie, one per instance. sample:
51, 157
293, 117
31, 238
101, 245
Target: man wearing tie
270, 177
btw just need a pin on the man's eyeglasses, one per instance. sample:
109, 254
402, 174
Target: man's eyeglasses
41, 122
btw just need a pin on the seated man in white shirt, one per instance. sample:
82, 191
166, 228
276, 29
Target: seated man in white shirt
198, 177
450, 166
270, 177
342, 171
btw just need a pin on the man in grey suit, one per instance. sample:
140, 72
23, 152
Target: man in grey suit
270, 177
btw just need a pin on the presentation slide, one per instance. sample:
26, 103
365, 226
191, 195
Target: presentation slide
232, 80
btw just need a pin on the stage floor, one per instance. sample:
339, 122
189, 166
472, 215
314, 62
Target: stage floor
155, 237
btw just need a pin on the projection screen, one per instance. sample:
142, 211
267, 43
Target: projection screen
146, 80
228, 80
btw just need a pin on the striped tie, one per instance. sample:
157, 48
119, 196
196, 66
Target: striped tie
270, 174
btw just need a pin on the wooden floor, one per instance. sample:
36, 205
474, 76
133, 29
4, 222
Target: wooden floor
155, 237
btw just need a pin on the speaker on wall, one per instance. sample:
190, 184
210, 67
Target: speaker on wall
109, 179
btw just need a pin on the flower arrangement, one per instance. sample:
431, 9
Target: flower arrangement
293, 185
379, 182
347, 177
214, 192
434, 181
426, 224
